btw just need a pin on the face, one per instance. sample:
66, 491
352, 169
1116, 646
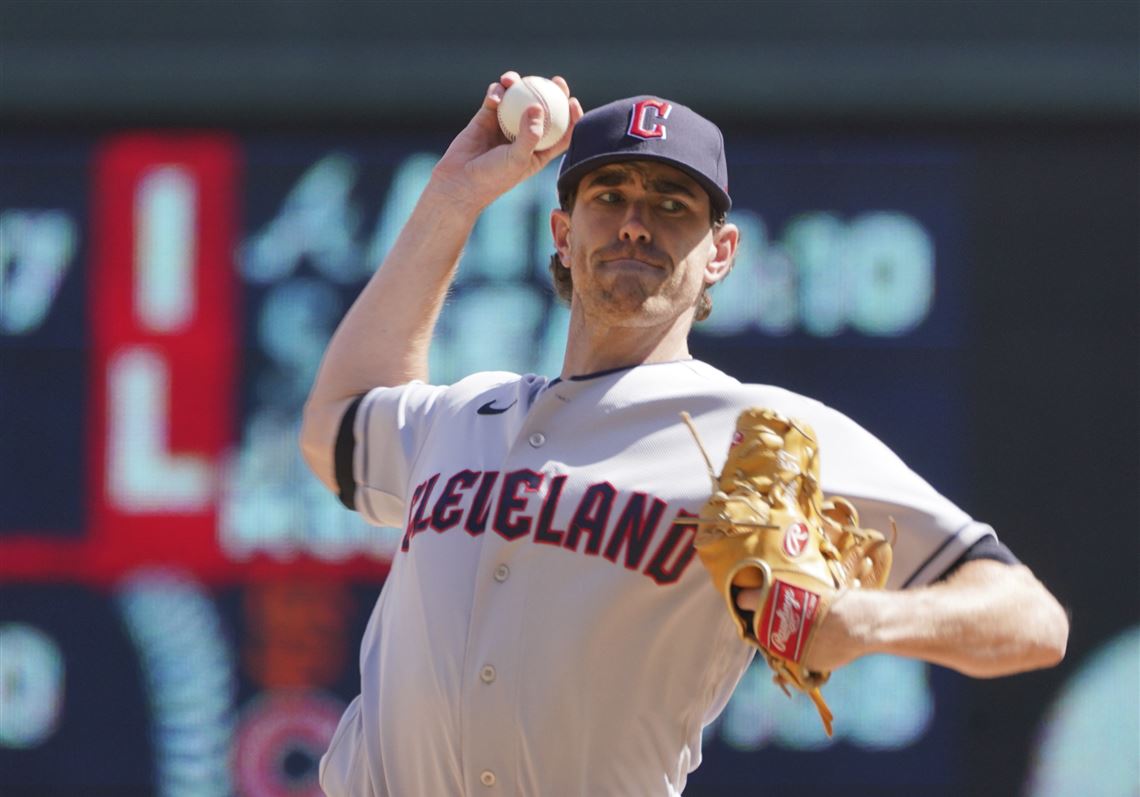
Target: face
640, 245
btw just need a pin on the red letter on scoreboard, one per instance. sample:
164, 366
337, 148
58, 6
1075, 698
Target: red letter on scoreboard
163, 305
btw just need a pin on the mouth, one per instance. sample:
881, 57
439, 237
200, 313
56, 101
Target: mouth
631, 264
627, 264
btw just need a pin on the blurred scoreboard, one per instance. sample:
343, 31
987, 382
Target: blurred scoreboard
181, 602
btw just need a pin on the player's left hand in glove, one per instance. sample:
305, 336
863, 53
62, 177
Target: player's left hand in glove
767, 527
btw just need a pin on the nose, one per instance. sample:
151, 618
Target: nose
633, 226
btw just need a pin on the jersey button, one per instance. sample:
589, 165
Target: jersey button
537, 439
487, 674
487, 777
502, 573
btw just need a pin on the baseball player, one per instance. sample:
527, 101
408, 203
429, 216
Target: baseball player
544, 629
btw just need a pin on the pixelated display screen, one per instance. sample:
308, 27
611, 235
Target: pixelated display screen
181, 602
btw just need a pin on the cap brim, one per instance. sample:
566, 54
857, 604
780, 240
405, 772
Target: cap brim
718, 197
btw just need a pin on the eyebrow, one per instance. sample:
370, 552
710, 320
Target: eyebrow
612, 178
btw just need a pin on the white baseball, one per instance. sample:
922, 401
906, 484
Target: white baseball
526, 92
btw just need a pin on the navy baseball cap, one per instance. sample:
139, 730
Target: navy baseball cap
648, 128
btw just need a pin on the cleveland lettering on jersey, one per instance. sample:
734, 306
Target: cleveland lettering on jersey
620, 527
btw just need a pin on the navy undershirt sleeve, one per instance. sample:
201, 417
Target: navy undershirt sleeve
986, 548
343, 455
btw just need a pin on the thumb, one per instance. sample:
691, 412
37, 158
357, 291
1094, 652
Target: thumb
531, 127
749, 600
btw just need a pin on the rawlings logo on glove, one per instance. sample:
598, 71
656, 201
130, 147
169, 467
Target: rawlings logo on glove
767, 527
787, 620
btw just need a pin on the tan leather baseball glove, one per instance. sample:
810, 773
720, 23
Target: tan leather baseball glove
767, 526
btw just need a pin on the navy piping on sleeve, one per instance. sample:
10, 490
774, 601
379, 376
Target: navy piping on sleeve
933, 556
987, 547
343, 455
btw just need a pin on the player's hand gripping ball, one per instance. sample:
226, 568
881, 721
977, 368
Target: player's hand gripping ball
767, 526
526, 92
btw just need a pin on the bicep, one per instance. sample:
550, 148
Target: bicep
933, 534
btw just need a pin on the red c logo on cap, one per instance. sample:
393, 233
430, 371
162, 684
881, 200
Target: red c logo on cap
647, 118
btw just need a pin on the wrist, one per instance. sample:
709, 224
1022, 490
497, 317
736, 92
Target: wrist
859, 614
445, 205
454, 194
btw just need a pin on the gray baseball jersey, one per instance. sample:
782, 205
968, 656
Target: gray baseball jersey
545, 627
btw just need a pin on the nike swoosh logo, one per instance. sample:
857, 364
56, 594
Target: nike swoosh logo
490, 409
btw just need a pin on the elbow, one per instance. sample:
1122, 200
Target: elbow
1032, 632
1052, 624
306, 435
1038, 648
1055, 639
1041, 623
315, 441
308, 450
1046, 626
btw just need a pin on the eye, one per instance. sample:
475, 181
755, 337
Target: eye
673, 205
609, 197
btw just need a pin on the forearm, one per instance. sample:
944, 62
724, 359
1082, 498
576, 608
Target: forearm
986, 620
383, 339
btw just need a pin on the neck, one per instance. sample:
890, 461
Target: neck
593, 346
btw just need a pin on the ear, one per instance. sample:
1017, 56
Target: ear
723, 253
560, 232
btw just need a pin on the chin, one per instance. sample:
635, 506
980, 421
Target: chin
648, 311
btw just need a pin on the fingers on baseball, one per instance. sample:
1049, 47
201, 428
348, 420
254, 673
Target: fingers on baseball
530, 132
494, 96
564, 142
575, 114
496, 90
531, 127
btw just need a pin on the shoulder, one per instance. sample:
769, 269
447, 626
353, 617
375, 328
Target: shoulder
500, 387
751, 394
476, 385
701, 372
829, 422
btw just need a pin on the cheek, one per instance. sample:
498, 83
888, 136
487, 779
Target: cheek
584, 242
691, 270
575, 241
697, 260
575, 259
694, 279
576, 250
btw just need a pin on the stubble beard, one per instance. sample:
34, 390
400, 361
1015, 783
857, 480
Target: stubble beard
628, 299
